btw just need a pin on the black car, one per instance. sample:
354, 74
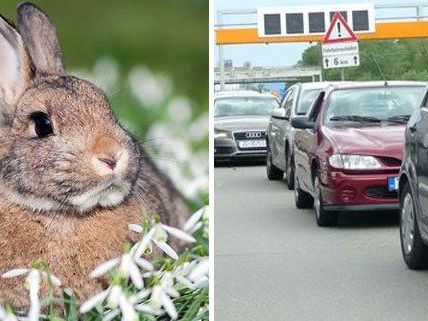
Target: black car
413, 191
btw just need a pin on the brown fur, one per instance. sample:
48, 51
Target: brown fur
42, 179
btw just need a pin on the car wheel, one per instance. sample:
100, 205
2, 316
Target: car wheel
301, 198
415, 252
289, 171
273, 172
324, 218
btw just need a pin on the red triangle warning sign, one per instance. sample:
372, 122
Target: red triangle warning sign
339, 30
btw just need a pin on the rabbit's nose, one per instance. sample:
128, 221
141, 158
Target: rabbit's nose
111, 163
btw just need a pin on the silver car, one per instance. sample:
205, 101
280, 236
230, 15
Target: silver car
296, 102
240, 122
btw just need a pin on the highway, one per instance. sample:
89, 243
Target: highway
272, 262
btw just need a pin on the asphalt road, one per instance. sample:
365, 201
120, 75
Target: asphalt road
272, 262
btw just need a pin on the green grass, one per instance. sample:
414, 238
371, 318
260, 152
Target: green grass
169, 36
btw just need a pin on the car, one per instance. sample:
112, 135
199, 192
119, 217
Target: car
240, 122
296, 102
413, 190
348, 152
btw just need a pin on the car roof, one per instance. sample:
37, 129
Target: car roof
321, 84
242, 93
368, 84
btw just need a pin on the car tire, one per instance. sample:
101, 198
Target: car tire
323, 217
273, 172
301, 198
289, 171
414, 250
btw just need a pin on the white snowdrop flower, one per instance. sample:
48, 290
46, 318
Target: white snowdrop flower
196, 227
180, 110
106, 73
146, 308
151, 89
181, 273
135, 228
33, 283
14, 273
158, 234
113, 297
104, 267
198, 129
178, 233
55, 281
146, 265
169, 306
111, 315
6, 315
128, 266
139, 248
127, 309
168, 250
194, 219
93, 301
155, 298
201, 282
200, 270
140, 296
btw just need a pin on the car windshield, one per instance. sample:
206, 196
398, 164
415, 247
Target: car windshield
307, 98
373, 105
244, 106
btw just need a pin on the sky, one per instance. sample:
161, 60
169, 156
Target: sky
284, 54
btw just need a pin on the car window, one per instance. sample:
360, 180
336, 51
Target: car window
288, 105
306, 99
374, 104
244, 106
287, 95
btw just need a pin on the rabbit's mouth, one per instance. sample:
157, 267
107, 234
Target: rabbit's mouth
108, 194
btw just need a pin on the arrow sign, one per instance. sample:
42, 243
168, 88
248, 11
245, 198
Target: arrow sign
340, 45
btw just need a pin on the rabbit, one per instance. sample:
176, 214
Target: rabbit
71, 177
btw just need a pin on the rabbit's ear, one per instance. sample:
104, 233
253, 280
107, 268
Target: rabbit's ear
39, 36
15, 66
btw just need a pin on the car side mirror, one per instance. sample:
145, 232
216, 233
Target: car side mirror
302, 122
279, 113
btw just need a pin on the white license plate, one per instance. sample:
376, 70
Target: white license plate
256, 143
392, 184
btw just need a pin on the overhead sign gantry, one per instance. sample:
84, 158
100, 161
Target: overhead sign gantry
305, 23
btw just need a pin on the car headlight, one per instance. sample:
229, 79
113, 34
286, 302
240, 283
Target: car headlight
354, 162
218, 133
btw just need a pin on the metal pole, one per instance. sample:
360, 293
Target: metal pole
342, 71
221, 56
419, 12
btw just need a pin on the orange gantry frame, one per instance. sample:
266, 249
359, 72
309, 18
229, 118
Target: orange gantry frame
384, 30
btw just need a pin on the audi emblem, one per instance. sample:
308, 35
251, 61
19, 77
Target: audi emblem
250, 135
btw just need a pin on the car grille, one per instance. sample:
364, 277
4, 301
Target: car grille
380, 192
390, 161
224, 150
250, 135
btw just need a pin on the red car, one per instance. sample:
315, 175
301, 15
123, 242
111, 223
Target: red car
348, 149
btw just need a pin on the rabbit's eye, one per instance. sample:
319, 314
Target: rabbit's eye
42, 124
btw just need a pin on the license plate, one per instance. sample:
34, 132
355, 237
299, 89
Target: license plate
256, 143
392, 184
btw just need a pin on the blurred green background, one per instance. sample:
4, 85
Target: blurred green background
167, 35
151, 57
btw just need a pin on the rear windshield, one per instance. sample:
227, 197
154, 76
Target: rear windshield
244, 106
307, 98
376, 104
